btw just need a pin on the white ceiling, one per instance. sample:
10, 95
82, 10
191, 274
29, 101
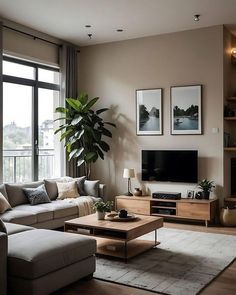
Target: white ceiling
66, 19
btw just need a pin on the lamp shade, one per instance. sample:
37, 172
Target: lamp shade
128, 173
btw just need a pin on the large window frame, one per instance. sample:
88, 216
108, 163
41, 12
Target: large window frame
36, 84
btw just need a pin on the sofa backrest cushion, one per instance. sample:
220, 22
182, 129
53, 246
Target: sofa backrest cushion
16, 194
91, 188
3, 190
51, 185
4, 205
37, 195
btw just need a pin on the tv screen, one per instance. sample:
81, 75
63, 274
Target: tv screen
170, 165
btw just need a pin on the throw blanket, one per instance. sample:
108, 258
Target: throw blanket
85, 205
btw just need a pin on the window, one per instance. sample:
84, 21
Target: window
30, 96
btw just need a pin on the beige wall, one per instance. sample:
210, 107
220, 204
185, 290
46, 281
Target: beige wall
113, 71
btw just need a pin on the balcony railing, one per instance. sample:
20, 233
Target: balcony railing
17, 165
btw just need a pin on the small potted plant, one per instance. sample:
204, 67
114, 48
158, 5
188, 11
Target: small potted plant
101, 208
206, 186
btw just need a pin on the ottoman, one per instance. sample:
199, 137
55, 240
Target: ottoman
42, 261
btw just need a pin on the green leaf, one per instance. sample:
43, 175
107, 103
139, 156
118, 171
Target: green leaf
90, 156
80, 162
65, 134
90, 104
74, 103
101, 111
76, 120
83, 98
109, 123
76, 153
61, 128
106, 132
62, 118
61, 110
104, 146
100, 153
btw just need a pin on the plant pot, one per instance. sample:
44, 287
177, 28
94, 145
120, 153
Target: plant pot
205, 195
101, 215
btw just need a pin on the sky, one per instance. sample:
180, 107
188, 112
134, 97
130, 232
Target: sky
185, 97
17, 99
150, 98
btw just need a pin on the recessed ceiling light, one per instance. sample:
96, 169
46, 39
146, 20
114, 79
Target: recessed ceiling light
196, 17
119, 30
88, 26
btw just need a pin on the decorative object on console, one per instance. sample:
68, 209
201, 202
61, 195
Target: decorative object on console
190, 194
206, 186
84, 131
137, 192
149, 111
186, 115
101, 208
128, 173
123, 213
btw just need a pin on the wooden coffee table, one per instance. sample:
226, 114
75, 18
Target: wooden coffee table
115, 238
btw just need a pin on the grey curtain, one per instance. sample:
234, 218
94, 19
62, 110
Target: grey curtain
69, 69
1, 104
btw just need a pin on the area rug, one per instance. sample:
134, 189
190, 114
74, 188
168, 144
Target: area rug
183, 264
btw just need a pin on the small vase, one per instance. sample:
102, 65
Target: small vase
101, 215
137, 192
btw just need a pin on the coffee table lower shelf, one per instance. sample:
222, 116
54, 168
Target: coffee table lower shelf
121, 249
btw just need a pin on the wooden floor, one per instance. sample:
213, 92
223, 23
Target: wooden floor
224, 284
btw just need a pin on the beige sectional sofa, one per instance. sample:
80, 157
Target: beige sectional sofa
47, 216
35, 260
39, 261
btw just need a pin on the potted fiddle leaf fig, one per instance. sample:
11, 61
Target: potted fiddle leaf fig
206, 186
84, 130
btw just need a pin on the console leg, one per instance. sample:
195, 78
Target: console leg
206, 223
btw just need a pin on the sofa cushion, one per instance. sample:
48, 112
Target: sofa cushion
42, 213
61, 208
4, 205
91, 188
51, 186
18, 216
67, 190
80, 183
15, 192
3, 190
2, 227
37, 195
35, 253
13, 228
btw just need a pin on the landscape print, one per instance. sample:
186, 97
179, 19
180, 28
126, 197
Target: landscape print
149, 115
186, 110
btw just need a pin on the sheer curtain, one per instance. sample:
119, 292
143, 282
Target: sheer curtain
1, 105
69, 69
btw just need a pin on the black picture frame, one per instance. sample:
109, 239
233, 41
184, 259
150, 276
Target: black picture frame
186, 110
149, 116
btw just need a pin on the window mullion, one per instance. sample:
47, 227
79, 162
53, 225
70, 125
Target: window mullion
35, 138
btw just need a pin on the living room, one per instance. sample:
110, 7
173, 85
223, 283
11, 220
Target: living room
123, 52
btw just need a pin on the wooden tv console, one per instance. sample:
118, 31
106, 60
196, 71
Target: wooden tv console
205, 210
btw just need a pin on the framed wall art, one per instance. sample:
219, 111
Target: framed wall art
149, 111
186, 109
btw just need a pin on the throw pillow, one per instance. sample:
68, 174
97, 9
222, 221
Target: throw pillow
91, 187
37, 195
80, 183
2, 227
4, 205
67, 190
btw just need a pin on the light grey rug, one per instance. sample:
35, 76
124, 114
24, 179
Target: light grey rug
182, 264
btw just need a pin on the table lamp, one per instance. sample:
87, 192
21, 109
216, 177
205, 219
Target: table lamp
129, 173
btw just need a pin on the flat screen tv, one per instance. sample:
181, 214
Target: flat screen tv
170, 165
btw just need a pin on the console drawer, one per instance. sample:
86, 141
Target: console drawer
133, 206
193, 210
